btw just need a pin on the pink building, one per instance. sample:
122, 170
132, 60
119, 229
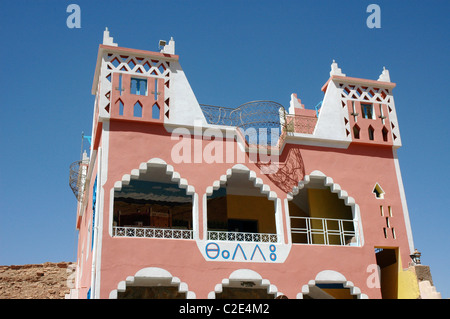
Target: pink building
182, 200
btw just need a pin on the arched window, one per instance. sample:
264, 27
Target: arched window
137, 109
239, 211
153, 206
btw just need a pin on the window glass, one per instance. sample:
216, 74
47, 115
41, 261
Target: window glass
367, 111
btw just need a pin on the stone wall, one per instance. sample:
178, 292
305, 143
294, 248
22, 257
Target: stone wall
426, 287
38, 281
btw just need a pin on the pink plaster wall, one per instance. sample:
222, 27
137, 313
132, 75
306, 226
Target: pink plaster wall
130, 144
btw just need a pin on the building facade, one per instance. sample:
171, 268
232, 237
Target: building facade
182, 200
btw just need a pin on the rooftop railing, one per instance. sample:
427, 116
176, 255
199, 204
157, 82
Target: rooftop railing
259, 115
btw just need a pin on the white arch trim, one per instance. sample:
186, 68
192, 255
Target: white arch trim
155, 162
335, 188
245, 277
150, 277
331, 276
327, 181
257, 182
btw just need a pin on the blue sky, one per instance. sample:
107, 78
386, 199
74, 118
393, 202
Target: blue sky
232, 52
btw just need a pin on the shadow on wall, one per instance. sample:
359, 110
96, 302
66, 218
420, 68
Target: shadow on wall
291, 170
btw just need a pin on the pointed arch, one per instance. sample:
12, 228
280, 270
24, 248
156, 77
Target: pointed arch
371, 132
356, 131
257, 182
120, 106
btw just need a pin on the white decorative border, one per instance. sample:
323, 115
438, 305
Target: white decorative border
258, 182
151, 277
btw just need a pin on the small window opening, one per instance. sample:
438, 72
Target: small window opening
378, 191
385, 134
371, 131
161, 68
137, 110
138, 86
155, 111
156, 89
120, 88
131, 64
356, 131
367, 111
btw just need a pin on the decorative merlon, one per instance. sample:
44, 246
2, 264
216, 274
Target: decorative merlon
384, 76
107, 40
295, 103
169, 48
335, 70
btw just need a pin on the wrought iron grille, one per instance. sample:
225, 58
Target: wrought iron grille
218, 115
244, 237
259, 121
75, 177
147, 232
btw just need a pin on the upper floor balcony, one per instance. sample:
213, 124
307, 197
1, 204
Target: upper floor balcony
156, 207
304, 230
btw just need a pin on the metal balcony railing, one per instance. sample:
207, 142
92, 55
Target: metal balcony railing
77, 177
324, 231
74, 177
242, 237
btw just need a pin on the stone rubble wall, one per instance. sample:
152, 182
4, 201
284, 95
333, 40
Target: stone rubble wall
426, 288
36, 281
